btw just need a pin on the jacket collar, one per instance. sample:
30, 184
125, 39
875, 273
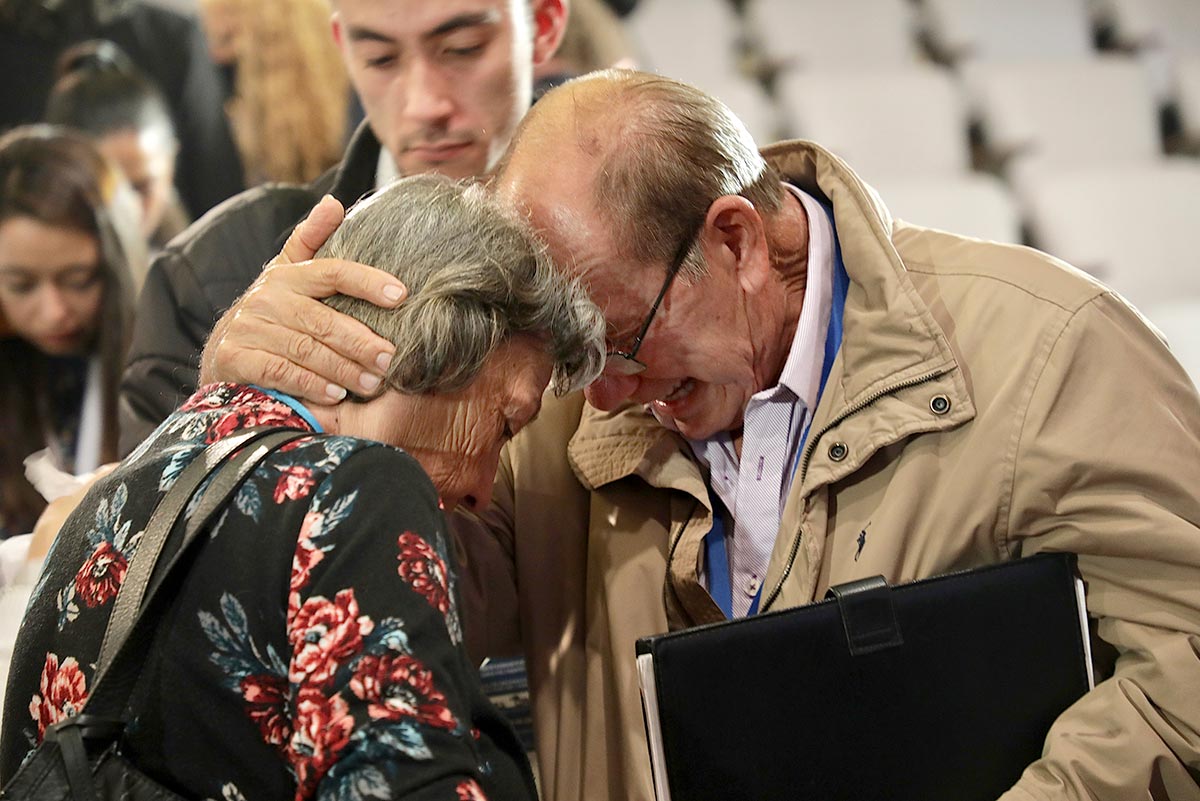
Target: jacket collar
889, 338
889, 334
610, 446
355, 175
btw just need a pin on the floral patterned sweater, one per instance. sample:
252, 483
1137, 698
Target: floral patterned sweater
313, 648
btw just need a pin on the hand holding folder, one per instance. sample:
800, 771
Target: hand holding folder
942, 688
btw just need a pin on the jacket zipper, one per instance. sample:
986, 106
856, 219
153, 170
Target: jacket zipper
810, 446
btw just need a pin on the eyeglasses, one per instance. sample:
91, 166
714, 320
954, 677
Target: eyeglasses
624, 362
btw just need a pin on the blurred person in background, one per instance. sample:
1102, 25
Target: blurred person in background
594, 40
167, 46
66, 238
291, 93
101, 93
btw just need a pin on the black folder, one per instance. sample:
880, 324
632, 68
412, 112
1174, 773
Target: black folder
944, 688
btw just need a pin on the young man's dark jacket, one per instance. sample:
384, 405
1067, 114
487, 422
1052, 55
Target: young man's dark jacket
204, 270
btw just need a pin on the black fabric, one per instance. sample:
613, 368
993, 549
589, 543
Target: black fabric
776, 706
204, 270
170, 49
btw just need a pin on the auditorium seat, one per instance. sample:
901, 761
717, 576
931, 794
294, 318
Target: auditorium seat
830, 34
972, 204
1067, 113
1008, 30
1132, 226
690, 40
882, 121
1179, 322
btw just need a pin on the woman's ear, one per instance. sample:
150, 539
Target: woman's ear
734, 232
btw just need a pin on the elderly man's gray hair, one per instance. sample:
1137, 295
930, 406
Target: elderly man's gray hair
475, 276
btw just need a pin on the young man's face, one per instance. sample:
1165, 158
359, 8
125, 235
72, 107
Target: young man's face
445, 82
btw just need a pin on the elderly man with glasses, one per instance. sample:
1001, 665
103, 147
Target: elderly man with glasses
813, 393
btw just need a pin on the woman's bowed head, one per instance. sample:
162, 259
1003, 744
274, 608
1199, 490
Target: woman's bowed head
488, 324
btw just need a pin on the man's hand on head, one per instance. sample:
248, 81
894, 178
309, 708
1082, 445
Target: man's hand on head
280, 335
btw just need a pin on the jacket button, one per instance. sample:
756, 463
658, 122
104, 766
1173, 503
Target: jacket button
940, 404
838, 451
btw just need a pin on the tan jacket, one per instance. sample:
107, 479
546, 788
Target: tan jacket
987, 402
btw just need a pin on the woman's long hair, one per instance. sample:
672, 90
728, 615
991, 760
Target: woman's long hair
59, 179
292, 93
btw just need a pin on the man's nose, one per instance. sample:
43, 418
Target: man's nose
428, 94
610, 390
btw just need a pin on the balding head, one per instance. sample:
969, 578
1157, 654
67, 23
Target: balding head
650, 152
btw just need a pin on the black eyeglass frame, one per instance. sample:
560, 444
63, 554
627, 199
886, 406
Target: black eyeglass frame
625, 362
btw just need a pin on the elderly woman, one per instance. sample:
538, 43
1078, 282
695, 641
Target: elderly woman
314, 648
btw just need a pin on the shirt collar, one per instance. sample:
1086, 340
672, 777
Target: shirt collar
386, 171
802, 371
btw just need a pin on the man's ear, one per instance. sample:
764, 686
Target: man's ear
549, 22
733, 230
335, 25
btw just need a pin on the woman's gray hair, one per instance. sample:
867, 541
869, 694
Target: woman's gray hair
476, 277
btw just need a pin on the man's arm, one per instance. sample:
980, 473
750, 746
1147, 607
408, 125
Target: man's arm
1108, 467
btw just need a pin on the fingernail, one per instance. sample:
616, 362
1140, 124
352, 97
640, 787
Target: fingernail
393, 292
383, 361
334, 392
369, 382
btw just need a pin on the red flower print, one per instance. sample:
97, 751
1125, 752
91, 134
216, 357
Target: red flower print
207, 397
306, 556
266, 704
63, 693
396, 687
468, 790
100, 577
422, 568
323, 635
248, 415
321, 730
294, 484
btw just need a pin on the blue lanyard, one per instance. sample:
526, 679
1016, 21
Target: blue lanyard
296, 406
716, 555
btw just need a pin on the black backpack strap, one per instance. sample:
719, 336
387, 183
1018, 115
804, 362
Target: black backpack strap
231, 459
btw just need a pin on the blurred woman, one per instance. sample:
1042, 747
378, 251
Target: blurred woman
101, 93
291, 91
66, 297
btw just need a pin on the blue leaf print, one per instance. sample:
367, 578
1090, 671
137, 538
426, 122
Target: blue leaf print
198, 496
248, 501
336, 450
339, 511
216, 633
119, 497
235, 655
379, 742
122, 542
180, 459
406, 737
68, 608
355, 783
273, 661
388, 635
235, 615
